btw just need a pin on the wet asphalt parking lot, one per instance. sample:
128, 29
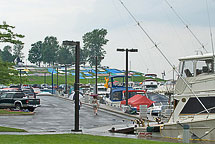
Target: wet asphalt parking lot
57, 115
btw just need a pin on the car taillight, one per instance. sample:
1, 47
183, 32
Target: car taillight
27, 101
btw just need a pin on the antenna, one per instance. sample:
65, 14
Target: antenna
186, 25
209, 22
155, 45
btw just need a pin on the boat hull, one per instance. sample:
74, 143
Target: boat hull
203, 130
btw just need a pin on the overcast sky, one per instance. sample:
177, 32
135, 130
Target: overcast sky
71, 19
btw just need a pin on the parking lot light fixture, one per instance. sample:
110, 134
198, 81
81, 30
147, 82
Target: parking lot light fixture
76, 85
126, 72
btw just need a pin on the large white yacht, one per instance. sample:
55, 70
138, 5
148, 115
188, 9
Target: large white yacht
194, 99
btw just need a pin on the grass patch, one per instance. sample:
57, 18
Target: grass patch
8, 112
71, 139
7, 129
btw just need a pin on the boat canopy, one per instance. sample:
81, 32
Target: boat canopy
115, 84
138, 100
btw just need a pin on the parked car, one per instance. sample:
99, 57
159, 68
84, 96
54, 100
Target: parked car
36, 86
44, 86
14, 86
29, 93
54, 86
45, 92
18, 100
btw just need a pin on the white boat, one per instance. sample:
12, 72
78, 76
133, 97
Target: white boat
194, 99
149, 85
102, 90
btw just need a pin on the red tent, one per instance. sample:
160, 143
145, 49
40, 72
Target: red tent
138, 100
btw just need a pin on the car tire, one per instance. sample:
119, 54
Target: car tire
18, 106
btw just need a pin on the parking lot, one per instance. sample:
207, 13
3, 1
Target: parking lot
57, 115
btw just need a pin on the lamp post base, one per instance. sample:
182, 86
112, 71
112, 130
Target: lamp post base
76, 130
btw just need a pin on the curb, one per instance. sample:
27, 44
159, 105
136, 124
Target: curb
110, 110
17, 114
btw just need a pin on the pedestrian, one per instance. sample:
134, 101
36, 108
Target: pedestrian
95, 105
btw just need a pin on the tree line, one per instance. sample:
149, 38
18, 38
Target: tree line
49, 51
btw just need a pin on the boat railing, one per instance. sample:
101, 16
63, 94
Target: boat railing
209, 109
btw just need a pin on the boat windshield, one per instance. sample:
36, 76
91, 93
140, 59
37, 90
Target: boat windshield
116, 96
190, 68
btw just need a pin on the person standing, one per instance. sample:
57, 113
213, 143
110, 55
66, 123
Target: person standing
95, 105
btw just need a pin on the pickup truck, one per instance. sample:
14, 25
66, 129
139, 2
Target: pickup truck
18, 100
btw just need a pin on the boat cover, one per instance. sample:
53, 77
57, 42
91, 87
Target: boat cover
138, 100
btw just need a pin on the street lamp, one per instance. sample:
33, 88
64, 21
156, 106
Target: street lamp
97, 73
76, 85
126, 72
66, 79
57, 77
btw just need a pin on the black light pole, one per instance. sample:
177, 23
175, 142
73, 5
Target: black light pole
97, 72
77, 69
126, 72
66, 78
52, 82
96, 76
76, 85
57, 77
126, 77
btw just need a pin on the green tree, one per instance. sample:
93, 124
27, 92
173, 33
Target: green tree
7, 73
17, 52
6, 54
35, 53
93, 44
50, 49
7, 35
83, 55
65, 55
